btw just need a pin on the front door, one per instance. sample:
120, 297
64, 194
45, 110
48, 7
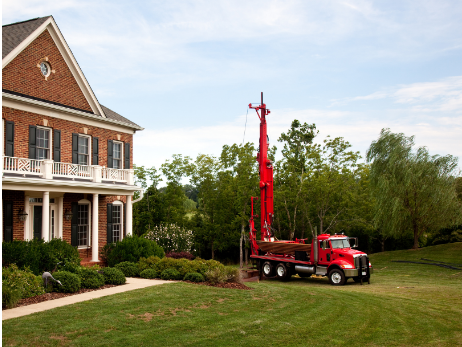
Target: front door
37, 225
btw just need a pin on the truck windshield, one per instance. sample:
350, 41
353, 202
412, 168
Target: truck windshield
342, 243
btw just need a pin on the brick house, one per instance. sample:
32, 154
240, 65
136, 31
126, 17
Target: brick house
67, 166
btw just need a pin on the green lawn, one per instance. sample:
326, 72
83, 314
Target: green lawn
426, 310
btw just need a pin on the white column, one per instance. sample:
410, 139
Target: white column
60, 216
46, 216
27, 223
129, 216
94, 228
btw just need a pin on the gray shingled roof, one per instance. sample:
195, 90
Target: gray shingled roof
115, 116
15, 33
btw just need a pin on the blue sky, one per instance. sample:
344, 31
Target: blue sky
186, 70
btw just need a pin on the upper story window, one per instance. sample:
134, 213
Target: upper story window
43, 143
45, 69
84, 150
117, 155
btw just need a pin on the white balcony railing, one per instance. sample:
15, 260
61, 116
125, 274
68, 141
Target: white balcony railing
22, 165
116, 175
72, 170
49, 169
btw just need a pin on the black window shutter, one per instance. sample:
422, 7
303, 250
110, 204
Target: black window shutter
109, 223
95, 151
75, 224
32, 142
9, 141
127, 155
75, 148
8, 221
57, 145
109, 154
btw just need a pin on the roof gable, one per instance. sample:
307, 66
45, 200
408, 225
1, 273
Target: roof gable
17, 37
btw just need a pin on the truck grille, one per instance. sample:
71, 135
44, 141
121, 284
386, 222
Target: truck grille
364, 261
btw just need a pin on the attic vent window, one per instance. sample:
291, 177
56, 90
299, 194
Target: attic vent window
45, 69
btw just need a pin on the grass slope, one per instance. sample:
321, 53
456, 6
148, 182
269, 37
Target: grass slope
425, 310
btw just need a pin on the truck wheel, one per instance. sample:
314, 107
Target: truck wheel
283, 272
336, 277
268, 269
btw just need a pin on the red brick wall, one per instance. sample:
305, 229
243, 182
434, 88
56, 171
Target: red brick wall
17, 197
23, 76
23, 119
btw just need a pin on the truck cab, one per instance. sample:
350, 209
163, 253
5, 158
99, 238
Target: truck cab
339, 261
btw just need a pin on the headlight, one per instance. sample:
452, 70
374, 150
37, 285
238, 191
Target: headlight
347, 266
370, 264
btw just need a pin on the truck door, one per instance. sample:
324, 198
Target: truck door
324, 254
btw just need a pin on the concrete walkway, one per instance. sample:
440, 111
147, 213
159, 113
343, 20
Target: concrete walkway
131, 284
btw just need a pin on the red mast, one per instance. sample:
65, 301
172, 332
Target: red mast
266, 181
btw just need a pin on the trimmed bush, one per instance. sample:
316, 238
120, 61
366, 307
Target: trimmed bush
24, 281
131, 248
180, 255
216, 275
149, 273
194, 277
39, 256
128, 268
70, 282
90, 279
147, 263
172, 237
233, 274
113, 276
170, 274
10, 295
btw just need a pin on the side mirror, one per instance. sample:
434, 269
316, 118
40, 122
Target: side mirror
353, 242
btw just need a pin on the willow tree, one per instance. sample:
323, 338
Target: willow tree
414, 191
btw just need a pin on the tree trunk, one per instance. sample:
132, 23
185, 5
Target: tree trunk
241, 261
416, 238
246, 256
382, 242
213, 252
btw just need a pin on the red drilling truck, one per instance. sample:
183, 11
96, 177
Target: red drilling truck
328, 255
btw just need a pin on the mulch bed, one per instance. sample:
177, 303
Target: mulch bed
53, 296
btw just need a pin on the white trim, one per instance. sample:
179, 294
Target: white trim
66, 53
121, 204
50, 141
89, 155
47, 109
121, 159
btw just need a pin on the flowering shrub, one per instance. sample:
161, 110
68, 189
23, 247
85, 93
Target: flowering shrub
172, 238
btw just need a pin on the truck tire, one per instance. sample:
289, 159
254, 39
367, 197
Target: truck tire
336, 277
283, 272
268, 269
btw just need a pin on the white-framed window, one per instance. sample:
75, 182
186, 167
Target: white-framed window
117, 155
84, 150
84, 217
43, 143
117, 221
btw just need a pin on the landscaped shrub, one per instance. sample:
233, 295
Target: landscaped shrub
22, 280
149, 273
10, 295
206, 265
233, 274
194, 277
216, 275
70, 282
180, 255
90, 278
147, 263
172, 238
113, 276
128, 268
39, 256
170, 274
131, 248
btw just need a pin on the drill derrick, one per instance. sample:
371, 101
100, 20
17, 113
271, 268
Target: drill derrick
266, 181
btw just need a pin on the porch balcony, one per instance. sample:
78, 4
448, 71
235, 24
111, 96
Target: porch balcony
49, 169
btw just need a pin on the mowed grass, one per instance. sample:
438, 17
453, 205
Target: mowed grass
426, 310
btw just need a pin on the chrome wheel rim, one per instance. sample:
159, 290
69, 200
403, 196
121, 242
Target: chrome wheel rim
336, 277
281, 271
266, 269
